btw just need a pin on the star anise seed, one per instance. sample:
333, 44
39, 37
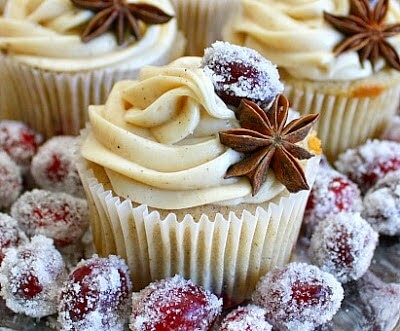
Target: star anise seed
269, 143
121, 15
366, 33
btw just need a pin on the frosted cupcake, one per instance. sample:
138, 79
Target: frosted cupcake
202, 21
337, 58
180, 183
58, 56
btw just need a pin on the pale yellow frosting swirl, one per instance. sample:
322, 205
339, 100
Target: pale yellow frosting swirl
157, 139
294, 35
46, 34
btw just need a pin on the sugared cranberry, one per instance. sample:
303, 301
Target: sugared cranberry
96, 295
382, 205
250, 318
54, 166
174, 304
59, 216
368, 163
10, 234
378, 301
19, 141
331, 194
343, 245
239, 72
30, 277
298, 296
10, 181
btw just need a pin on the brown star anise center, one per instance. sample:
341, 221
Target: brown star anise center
120, 15
366, 32
268, 142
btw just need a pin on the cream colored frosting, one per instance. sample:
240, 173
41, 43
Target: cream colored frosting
46, 34
157, 139
294, 35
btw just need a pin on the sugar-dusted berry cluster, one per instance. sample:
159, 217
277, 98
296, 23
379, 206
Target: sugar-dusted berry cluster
348, 207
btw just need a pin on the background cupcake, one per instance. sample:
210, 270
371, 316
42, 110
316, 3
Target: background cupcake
202, 21
351, 78
178, 183
57, 57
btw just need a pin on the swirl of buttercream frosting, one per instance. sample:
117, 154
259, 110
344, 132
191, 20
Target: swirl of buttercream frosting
157, 140
46, 34
294, 35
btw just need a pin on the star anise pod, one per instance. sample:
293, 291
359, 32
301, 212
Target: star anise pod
269, 143
122, 15
366, 32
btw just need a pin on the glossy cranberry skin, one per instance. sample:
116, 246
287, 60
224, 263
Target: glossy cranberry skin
19, 141
98, 286
30, 277
298, 296
331, 194
174, 304
56, 215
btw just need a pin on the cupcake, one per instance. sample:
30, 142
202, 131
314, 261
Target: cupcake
58, 57
202, 21
180, 181
336, 58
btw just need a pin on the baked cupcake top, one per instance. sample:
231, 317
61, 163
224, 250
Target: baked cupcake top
47, 34
164, 140
297, 36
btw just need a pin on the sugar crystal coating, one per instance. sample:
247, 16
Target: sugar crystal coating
31, 276
249, 318
368, 163
343, 245
10, 181
298, 296
54, 166
174, 304
19, 141
59, 216
331, 194
382, 205
10, 234
240, 72
96, 296
379, 301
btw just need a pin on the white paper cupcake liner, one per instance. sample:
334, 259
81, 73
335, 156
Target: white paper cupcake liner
55, 103
346, 121
227, 256
202, 21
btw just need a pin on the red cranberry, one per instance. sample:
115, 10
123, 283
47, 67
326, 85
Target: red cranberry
30, 277
379, 301
10, 234
331, 194
174, 304
368, 163
54, 166
343, 245
19, 141
29, 286
239, 72
298, 296
250, 318
10, 181
96, 295
59, 216
382, 205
